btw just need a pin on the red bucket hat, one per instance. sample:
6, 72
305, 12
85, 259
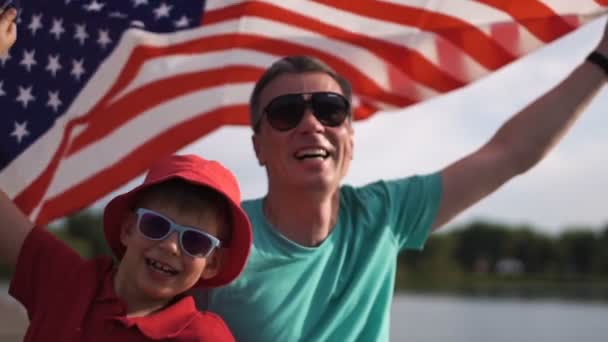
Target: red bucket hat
197, 171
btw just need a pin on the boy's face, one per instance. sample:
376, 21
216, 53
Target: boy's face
160, 270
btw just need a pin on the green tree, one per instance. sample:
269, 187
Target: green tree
480, 242
577, 248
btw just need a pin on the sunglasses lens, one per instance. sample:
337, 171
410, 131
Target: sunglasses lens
154, 226
330, 109
196, 244
285, 112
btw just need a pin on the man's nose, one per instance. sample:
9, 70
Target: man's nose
309, 122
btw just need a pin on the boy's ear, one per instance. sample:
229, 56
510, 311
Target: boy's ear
215, 261
126, 228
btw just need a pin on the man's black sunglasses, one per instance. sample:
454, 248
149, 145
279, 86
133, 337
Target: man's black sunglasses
286, 111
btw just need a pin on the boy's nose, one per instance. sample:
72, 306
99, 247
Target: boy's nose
171, 243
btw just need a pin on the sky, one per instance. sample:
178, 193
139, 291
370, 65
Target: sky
566, 190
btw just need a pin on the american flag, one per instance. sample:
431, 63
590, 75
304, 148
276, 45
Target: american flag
94, 91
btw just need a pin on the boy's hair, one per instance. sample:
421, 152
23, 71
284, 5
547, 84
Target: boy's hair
191, 198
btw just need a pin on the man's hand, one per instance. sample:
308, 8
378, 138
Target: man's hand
8, 30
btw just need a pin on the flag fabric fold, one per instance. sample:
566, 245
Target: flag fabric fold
94, 91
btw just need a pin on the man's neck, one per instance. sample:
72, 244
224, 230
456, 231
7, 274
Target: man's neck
305, 217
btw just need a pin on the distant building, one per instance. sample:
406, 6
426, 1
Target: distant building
509, 267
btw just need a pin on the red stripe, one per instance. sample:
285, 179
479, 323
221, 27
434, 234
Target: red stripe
134, 163
399, 58
468, 37
539, 19
602, 2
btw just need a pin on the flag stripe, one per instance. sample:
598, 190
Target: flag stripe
536, 17
134, 162
472, 40
407, 62
147, 125
156, 93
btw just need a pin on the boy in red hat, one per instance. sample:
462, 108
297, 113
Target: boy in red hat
182, 228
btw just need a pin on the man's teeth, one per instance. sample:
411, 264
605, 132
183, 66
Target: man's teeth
160, 267
312, 153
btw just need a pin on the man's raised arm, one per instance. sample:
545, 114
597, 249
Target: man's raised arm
522, 141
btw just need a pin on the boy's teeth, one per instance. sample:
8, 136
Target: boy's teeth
161, 267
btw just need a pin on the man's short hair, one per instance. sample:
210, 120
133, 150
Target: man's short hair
291, 65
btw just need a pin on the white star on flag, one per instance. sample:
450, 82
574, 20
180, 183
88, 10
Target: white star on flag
54, 100
162, 11
28, 60
81, 33
77, 69
53, 66
35, 23
25, 96
57, 29
20, 131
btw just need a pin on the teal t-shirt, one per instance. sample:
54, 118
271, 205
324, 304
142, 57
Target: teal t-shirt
341, 290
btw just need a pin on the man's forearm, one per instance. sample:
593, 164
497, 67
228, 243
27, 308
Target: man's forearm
531, 133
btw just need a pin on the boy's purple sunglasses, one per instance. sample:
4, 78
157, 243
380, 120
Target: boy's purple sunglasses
192, 241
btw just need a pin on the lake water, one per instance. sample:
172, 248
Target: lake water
426, 318
423, 318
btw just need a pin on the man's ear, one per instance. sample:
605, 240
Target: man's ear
255, 139
215, 261
127, 227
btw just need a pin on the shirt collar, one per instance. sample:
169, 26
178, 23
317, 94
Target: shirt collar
166, 323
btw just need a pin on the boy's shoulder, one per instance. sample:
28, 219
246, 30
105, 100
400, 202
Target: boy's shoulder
181, 321
211, 326
207, 326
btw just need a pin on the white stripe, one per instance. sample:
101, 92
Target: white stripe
149, 124
472, 12
574, 7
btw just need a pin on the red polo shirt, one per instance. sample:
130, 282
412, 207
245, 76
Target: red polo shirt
70, 299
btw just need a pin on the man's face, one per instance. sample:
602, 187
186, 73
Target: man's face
310, 154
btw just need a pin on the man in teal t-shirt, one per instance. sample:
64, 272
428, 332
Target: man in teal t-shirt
322, 267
